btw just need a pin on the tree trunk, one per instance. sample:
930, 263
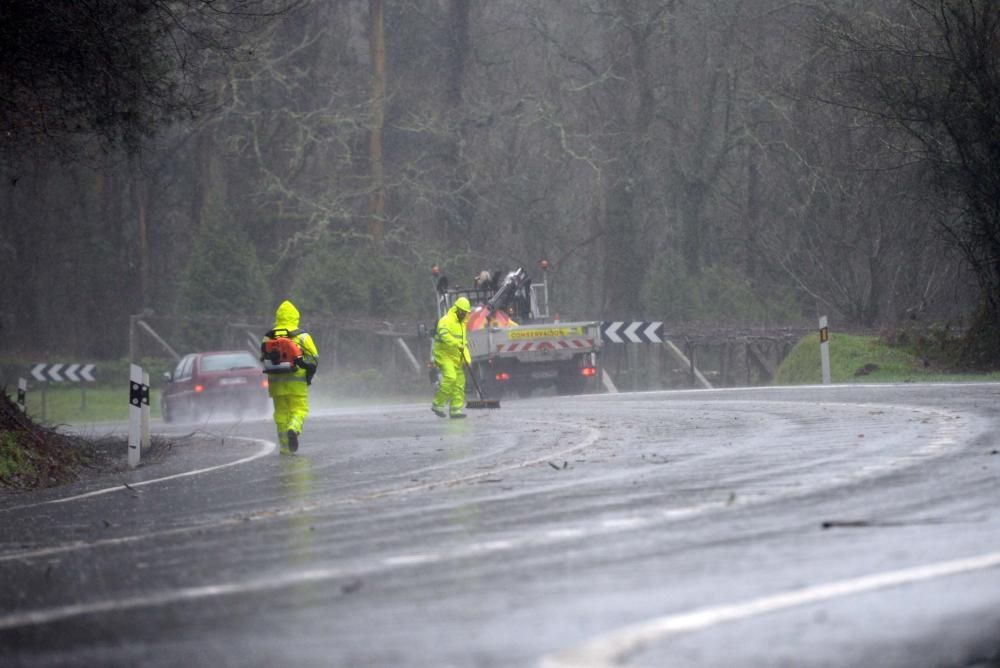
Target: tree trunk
625, 258
458, 58
140, 197
622, 269
752, 222
692, 202
376, 220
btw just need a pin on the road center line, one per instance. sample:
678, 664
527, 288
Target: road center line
613, 648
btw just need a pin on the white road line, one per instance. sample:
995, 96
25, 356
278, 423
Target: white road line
610, 649
48, 615
267, 448
946, 437
27, 555
785, 388
592, 436
939, 445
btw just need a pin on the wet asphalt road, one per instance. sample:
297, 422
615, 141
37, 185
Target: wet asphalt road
839, 526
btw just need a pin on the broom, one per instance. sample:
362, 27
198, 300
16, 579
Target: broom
481, 403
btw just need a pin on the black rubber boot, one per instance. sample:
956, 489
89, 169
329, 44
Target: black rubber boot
293, 441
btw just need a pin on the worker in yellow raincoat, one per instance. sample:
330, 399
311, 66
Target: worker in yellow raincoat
289, 389
451, 353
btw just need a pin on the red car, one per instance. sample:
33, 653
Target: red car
213, 384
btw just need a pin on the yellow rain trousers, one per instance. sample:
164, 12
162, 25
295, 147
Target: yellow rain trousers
289, 391
450, 346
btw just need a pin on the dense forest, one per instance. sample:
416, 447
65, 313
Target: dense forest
728, 162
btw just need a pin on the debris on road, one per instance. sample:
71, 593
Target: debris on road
351, 587
838, 524
855, 524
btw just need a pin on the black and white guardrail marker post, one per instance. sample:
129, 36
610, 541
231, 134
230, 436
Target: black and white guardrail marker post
60, 373
145, 440
63, 373
824, 349
624, 331
138, 400
22, 394
632, 332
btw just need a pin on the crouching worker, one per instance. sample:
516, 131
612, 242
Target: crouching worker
451, 354
290, 360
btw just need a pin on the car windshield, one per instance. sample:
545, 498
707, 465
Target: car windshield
228, 361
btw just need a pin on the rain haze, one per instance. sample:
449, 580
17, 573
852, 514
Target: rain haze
498, 333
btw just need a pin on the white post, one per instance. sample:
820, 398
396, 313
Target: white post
409, 354
824, 349
22, 394
609, 384
145, 440
134, 414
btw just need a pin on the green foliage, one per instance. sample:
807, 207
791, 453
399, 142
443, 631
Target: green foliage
857, 359
344, 279
716, 293
938, 347
32, 455
223, 274
980, 348
14, 460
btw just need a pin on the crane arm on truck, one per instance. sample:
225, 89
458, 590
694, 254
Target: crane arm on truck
510, 293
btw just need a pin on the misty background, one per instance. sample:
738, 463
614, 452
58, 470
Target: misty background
710, 163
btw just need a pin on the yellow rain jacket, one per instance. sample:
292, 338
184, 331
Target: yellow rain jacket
450, 339
450, 346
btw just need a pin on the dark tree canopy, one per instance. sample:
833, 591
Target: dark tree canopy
932, 70
672, 160
113, 71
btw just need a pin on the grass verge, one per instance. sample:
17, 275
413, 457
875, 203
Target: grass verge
863, 359
69, 405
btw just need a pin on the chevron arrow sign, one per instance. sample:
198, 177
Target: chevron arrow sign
59, 373
632, 332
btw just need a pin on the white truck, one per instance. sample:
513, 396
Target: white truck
515, 345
